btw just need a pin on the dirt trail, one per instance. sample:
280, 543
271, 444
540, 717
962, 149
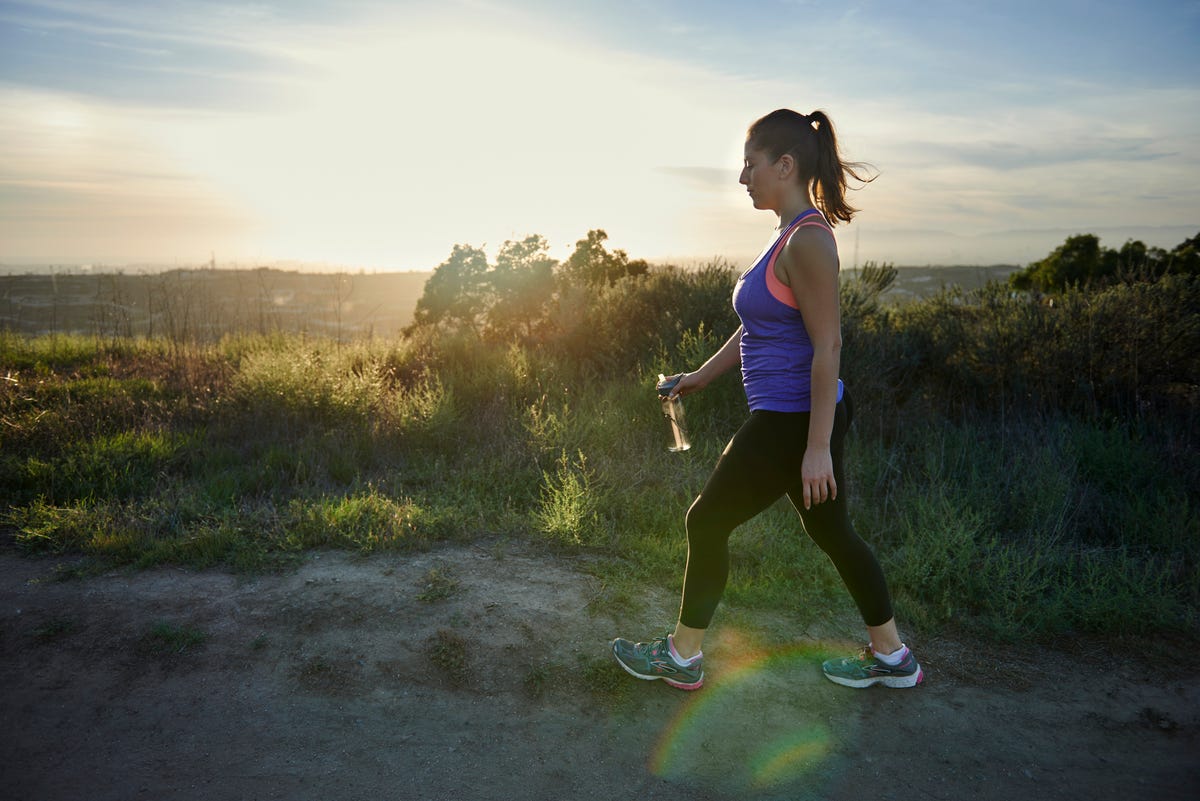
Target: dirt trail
346, 679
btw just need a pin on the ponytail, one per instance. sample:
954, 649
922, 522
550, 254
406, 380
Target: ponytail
811, 141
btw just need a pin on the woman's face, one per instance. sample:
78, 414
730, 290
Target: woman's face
760, 176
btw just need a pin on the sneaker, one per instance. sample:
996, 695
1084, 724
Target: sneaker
653, 660
864, 669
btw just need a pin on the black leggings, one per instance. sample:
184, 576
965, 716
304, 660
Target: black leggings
760, 464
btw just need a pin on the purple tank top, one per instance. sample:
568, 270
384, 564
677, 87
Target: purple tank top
776, 350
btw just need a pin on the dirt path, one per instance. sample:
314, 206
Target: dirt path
473, 673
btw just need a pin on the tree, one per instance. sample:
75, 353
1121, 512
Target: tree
1081, 261
522, 285
1075, 261
457, 292
592, 265
1185, 258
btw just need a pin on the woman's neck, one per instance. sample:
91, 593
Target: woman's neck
796, 203
791, 212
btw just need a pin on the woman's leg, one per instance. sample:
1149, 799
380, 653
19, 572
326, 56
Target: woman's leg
885, 639
829, 526
741, 485
886, 661
746, 480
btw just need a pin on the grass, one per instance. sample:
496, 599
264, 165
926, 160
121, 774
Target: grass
438, 585
447, 653
55, 629
248, 452
171, 639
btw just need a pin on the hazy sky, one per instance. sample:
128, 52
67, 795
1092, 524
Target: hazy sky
379, 134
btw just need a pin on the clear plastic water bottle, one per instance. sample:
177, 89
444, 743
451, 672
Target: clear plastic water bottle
673, 410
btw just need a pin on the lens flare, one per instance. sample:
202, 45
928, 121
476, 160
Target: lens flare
760, 724
787, 758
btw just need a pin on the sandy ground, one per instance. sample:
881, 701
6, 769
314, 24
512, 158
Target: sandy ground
483, 673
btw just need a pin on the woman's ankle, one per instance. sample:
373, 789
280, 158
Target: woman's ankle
687, 641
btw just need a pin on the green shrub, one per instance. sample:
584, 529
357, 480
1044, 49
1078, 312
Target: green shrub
1022, 468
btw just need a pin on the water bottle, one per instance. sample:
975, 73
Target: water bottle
673, 410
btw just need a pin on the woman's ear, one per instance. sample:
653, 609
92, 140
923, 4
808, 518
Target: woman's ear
786, 163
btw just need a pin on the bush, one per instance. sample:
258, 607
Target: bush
615, 329
1023, 468
1081, 262
1129, 350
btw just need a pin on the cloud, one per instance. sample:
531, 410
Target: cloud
181, 55
705, 179
998, 155
386, 132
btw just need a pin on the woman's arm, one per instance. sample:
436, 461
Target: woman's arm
725, 359
809, 265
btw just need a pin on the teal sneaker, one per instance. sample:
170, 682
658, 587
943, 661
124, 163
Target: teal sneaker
864, 669
653, 660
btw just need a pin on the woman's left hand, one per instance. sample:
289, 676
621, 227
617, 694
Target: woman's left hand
817, 474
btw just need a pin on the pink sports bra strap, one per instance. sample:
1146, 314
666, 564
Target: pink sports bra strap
777, 288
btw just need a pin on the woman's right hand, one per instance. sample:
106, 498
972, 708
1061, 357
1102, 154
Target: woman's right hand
687, 383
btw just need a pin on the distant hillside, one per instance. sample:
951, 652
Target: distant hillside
206, 304
921, 282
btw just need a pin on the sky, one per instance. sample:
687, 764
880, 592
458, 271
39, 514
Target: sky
376, 135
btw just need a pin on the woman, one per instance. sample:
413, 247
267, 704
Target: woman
788, 347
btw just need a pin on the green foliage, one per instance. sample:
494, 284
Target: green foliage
1127, 350
592, 265
522, 285
525, 295
568, 509
117, 466
439, 584
363, 522
447, 652
1033, 529
1081, 261
613, 329
1023, 469
170, 639
876, 361
48, 354
456, 293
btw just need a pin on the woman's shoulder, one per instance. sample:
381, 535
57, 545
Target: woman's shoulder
809, 247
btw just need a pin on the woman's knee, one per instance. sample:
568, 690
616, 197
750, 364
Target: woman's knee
703, 523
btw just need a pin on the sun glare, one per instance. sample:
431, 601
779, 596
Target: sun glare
391, 142
412, 141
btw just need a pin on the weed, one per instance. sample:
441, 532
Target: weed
567, 513
447, 653
330, 676
364, 522
537, 678
604, 678
437, 585
170, 639
317, 669
54, 629
1020, 469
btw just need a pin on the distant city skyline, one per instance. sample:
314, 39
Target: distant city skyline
376, 135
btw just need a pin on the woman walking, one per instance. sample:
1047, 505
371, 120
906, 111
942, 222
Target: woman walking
788, 347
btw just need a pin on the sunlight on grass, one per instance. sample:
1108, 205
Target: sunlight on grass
1005, 491
362, 523
568, 509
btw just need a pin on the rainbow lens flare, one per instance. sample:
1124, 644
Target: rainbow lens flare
759, 725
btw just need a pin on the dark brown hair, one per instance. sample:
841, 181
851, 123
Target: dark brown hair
811, 141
